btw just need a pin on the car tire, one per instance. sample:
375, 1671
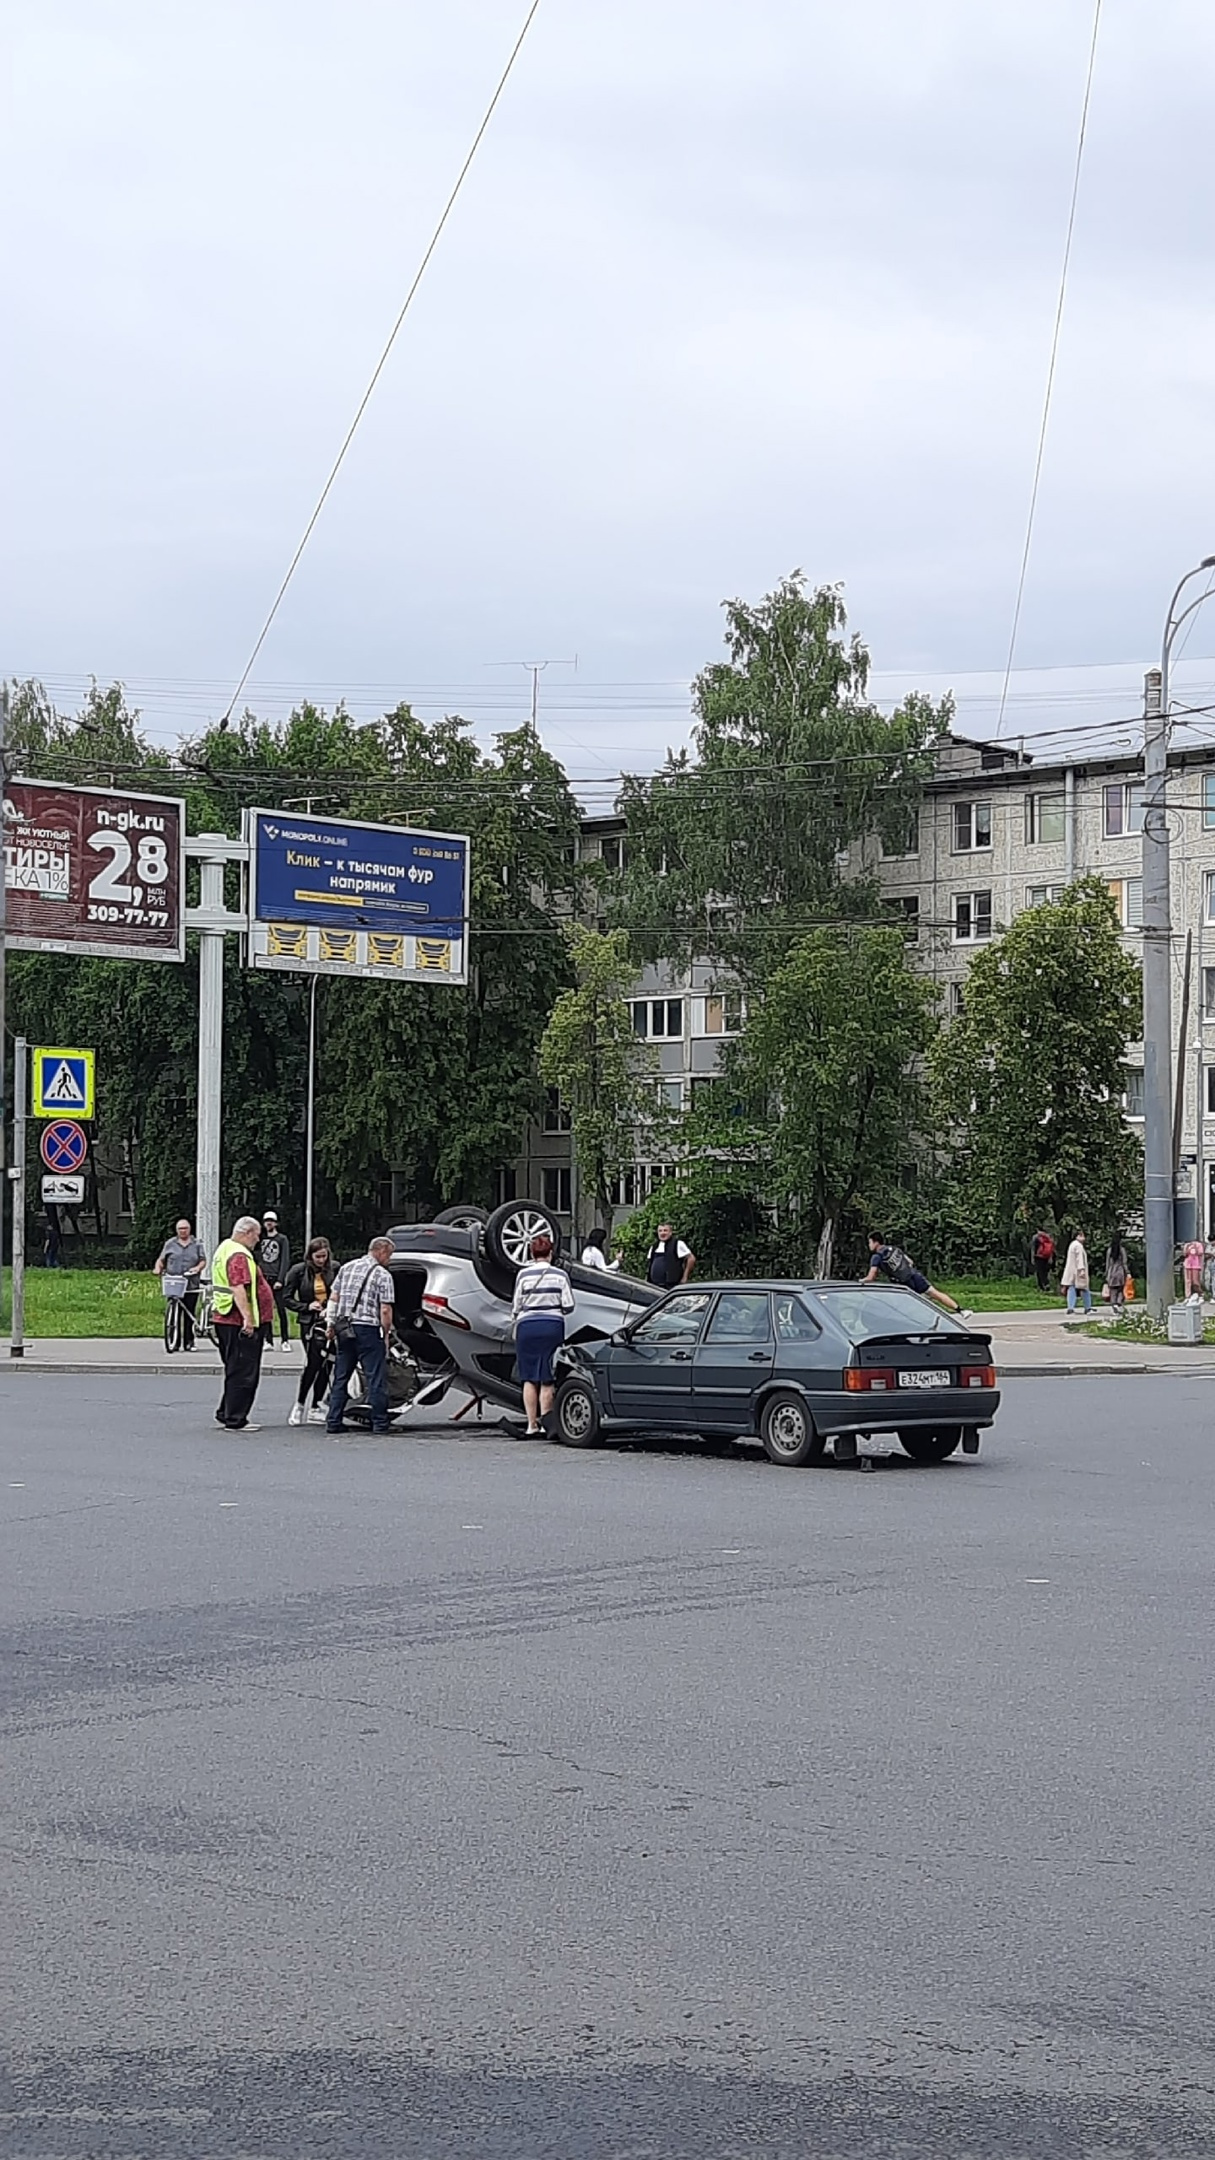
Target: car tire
933, 1446
508, 1234
786, 1429
466, 1216
576, 1420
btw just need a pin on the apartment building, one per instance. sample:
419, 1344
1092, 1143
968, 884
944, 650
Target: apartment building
996, 832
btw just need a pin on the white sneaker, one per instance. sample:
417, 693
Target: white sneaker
315, 1417
297, 1414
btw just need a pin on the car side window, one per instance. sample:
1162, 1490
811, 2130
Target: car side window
741, 1316
679, 1320
793, 1322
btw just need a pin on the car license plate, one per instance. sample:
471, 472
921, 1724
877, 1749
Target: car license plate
926, 1377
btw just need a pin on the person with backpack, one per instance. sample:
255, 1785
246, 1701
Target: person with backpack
892, 1262
1042, 1252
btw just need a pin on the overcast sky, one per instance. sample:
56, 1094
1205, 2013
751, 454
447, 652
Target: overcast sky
734, 286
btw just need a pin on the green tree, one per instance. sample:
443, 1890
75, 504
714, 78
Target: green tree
603, 1072
437, 1083
832, 1048
1029, 1077
736, 846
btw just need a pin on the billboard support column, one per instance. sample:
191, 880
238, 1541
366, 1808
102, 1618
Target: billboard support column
210, 1048
16, 1342
310, 1118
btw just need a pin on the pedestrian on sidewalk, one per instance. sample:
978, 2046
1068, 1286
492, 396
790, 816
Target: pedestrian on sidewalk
1116, 1272
1042, 1253
898, 1267
359, 1319
594, 1253
182, 1255
244, 1308
1074, 1278
1193, 1260
274, 1260
307, 1291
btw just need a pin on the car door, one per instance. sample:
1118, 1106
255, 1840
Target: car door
650, 1372
735, 1355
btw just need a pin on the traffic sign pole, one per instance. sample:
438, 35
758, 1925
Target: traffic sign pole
210, 1053
16, 1345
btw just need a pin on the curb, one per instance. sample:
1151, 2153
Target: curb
1101, 1372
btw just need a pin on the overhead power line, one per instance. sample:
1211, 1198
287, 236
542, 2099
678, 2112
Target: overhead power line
381, 363
1054, 355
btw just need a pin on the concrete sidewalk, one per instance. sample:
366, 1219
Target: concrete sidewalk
1032, 1345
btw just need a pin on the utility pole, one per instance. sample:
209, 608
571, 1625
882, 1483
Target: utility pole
3, 934
1157, 1001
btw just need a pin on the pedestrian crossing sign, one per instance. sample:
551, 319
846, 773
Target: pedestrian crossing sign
63, 1083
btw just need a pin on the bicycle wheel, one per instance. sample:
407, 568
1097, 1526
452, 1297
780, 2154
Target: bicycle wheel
174, 1332
204, 1318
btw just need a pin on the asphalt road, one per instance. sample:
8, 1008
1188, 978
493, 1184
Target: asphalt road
455, 1798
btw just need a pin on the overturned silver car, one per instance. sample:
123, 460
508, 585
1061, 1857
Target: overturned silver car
454, 1280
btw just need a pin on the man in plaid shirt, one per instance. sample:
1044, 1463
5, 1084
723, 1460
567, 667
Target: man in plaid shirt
359, 1318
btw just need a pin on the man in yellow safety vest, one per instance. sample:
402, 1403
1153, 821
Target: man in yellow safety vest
243, 1302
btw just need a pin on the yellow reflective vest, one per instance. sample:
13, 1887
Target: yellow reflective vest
224, 1300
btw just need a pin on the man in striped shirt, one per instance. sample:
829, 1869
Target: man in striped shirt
359, 1321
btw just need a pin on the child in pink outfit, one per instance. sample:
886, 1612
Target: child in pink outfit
1193, 1259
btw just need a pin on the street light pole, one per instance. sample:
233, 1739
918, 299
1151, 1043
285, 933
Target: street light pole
1157, 965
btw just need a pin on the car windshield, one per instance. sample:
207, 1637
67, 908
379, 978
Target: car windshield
862, 1314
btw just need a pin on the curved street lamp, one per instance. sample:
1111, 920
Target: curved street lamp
1158, 1160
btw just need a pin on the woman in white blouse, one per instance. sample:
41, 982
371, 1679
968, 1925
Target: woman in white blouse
542, 1299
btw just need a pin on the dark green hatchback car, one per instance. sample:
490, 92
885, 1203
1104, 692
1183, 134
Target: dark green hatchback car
799, 1363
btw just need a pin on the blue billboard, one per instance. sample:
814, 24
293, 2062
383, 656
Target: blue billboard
332, 896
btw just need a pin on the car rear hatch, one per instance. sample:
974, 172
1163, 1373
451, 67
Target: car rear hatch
921, 1365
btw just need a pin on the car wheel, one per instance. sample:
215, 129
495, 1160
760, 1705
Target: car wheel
931, 1446
508, 1234
467, 1216
576, 1419
787, 1431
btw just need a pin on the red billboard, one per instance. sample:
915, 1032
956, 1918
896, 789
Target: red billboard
94, 870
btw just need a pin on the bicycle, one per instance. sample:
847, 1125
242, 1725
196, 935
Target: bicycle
179, 1330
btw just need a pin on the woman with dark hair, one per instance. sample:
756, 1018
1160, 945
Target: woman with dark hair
1116, 1272
306, 1292
542, 1298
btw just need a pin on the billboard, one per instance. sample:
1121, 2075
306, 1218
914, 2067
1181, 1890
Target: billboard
94, 870
332, 896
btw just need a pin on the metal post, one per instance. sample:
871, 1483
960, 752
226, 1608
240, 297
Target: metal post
210, 1050
1157, 997
310, 1131
16, 1346
3, 936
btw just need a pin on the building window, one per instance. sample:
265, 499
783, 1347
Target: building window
957, 1000
971, 826
556, 1115
905, 908
1209, 1087
971, 917
557, 1191
706, 1087
658, 1019
723, 1012
506, 1187
1044, 820
614, 853
1132, 1100
1208, 802
1043, 895
1128, 899
670, 1095
1208, 993
906, 842
1123, 808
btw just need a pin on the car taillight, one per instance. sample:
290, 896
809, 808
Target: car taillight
437, 1308
983, 1376
868, 1379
